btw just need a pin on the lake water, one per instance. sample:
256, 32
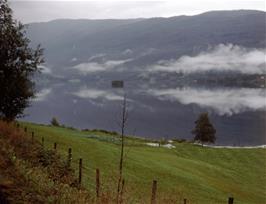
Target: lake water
157, 108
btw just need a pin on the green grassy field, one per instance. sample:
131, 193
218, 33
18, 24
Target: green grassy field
202, 175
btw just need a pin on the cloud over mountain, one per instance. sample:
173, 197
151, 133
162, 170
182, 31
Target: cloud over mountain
221, 58
91, 67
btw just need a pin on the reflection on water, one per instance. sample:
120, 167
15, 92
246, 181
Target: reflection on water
155, 112
222, 101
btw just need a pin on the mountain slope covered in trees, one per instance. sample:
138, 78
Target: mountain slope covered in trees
147, 40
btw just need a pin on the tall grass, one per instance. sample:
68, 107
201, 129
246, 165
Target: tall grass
32, 174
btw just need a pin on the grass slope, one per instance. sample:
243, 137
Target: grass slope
31, 174
202, 175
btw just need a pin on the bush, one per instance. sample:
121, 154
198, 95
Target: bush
204, 130
54, 122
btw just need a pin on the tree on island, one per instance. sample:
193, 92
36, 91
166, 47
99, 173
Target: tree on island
204, 131
18, 63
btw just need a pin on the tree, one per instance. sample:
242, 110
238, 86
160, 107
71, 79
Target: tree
122, 124
54, 122
204, 130
18, 63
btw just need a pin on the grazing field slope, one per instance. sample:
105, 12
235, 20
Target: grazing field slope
200, 174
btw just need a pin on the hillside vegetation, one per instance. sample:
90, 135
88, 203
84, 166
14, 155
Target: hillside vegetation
147, 40
31, 174
199, 174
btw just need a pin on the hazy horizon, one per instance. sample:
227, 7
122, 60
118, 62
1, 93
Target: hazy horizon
43, 11
139, 17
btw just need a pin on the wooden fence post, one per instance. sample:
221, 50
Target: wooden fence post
42, 141
153, 193
25, 129
80, 171
97, 183
185, 201
32, 137
230, 200
17, 125
55, 146
69, 157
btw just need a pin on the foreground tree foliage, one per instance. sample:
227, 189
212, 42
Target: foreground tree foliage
204, 131
18, 63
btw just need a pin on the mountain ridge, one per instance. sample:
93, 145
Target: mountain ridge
147, 40
145, 18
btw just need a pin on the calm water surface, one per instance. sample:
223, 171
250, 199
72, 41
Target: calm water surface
157, 109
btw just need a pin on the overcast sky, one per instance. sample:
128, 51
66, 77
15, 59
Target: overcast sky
37, 11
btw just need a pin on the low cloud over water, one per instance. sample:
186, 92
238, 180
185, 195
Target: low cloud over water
42, 94
89, 93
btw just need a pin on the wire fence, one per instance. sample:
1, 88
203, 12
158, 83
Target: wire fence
92, 178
